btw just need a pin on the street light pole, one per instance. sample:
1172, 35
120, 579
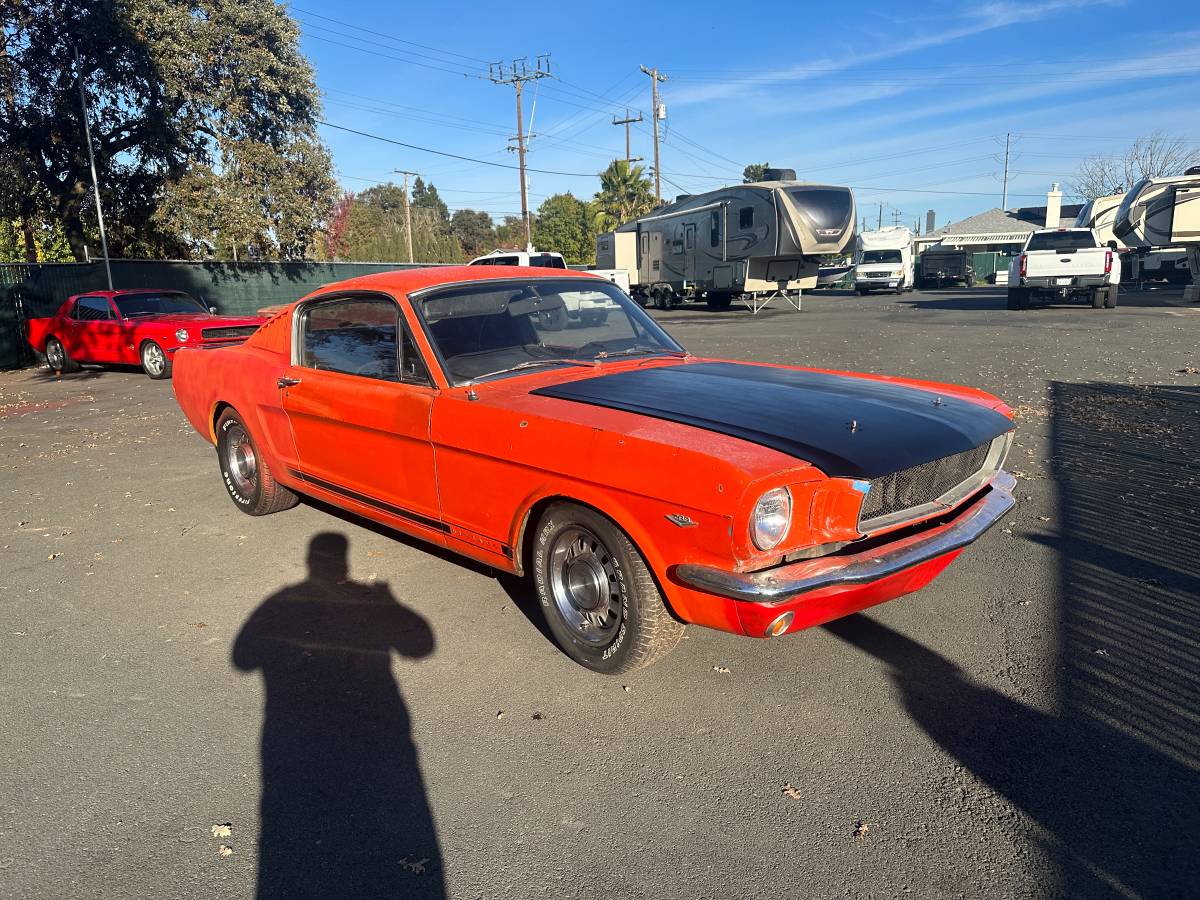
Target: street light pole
87, 133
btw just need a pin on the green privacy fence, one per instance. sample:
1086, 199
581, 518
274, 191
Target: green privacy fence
28, 291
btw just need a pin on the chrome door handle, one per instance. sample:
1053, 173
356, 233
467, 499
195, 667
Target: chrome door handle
287, 382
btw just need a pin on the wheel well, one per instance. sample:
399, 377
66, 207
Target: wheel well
216, 415
522, 552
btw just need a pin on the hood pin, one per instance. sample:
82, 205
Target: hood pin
853, 425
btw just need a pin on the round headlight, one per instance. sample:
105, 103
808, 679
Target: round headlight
772, 516
181, 334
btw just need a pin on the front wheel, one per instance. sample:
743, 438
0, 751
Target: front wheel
599, 598
247, 476
58, 358
155, 361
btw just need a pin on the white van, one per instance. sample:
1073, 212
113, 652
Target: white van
590, 308
883, 260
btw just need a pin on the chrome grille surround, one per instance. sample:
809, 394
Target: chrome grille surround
227, 332
924, 490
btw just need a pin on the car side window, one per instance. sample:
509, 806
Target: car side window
92, 309
362, 336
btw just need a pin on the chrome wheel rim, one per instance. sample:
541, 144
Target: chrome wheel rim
585, 586
240, 460
54, 355
153, 360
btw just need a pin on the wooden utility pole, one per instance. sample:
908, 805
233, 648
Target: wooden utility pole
626, 122
516, 74
655, 78
407, 212
880, 225
1007, 144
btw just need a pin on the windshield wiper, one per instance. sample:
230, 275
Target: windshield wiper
532, 363
633, 351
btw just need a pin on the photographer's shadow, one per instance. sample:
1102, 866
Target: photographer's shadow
344, 811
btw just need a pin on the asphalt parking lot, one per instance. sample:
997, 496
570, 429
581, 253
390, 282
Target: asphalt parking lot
1027, 726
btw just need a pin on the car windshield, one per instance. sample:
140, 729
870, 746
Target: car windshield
1061, 240
492, 328
881, 256
152, 304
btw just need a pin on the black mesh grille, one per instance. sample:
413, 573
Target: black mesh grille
921, 484
230, 331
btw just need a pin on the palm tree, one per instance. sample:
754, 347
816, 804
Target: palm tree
624, 194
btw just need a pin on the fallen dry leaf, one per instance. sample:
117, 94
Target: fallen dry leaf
54, 556
792, 792
722, 670
417, 868
225, 850
861, 829
223, 830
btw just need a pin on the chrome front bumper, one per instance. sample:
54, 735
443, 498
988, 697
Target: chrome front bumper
791, 580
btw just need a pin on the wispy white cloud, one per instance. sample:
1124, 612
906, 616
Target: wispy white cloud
978, 20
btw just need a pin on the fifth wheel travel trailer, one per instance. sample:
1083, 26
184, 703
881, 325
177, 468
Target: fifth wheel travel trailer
1164, 212
884, 260
747, 240
1139, 262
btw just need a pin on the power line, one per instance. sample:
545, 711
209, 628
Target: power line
376, 32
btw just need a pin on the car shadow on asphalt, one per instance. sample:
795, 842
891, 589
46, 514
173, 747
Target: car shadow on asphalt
1113, 774
344, 811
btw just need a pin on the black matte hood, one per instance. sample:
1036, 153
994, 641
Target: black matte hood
848, 427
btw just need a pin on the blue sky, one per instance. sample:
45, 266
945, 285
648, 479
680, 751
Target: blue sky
898, 101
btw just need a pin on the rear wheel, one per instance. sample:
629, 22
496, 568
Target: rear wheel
599, 598
1098, 297
1110, 298
58, 358
155, 361
247, 476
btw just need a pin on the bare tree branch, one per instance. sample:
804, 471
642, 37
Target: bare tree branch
1152, 156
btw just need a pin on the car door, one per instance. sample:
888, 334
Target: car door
93, 334
358, 398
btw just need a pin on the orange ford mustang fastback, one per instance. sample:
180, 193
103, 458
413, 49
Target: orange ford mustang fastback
544, 424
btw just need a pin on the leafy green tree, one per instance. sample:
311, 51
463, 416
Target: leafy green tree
474, 230
754, 172
511, 233
425, 196
202, 121
564, 225
625, 193
375, 230
48, 242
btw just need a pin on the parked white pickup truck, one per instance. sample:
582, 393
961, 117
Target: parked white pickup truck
1065, 263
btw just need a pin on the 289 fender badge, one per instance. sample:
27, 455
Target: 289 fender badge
681, 520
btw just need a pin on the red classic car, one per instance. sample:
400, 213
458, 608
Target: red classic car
640, 487
139, 327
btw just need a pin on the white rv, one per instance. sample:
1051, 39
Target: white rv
1165, 212
884, 260
744, 239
